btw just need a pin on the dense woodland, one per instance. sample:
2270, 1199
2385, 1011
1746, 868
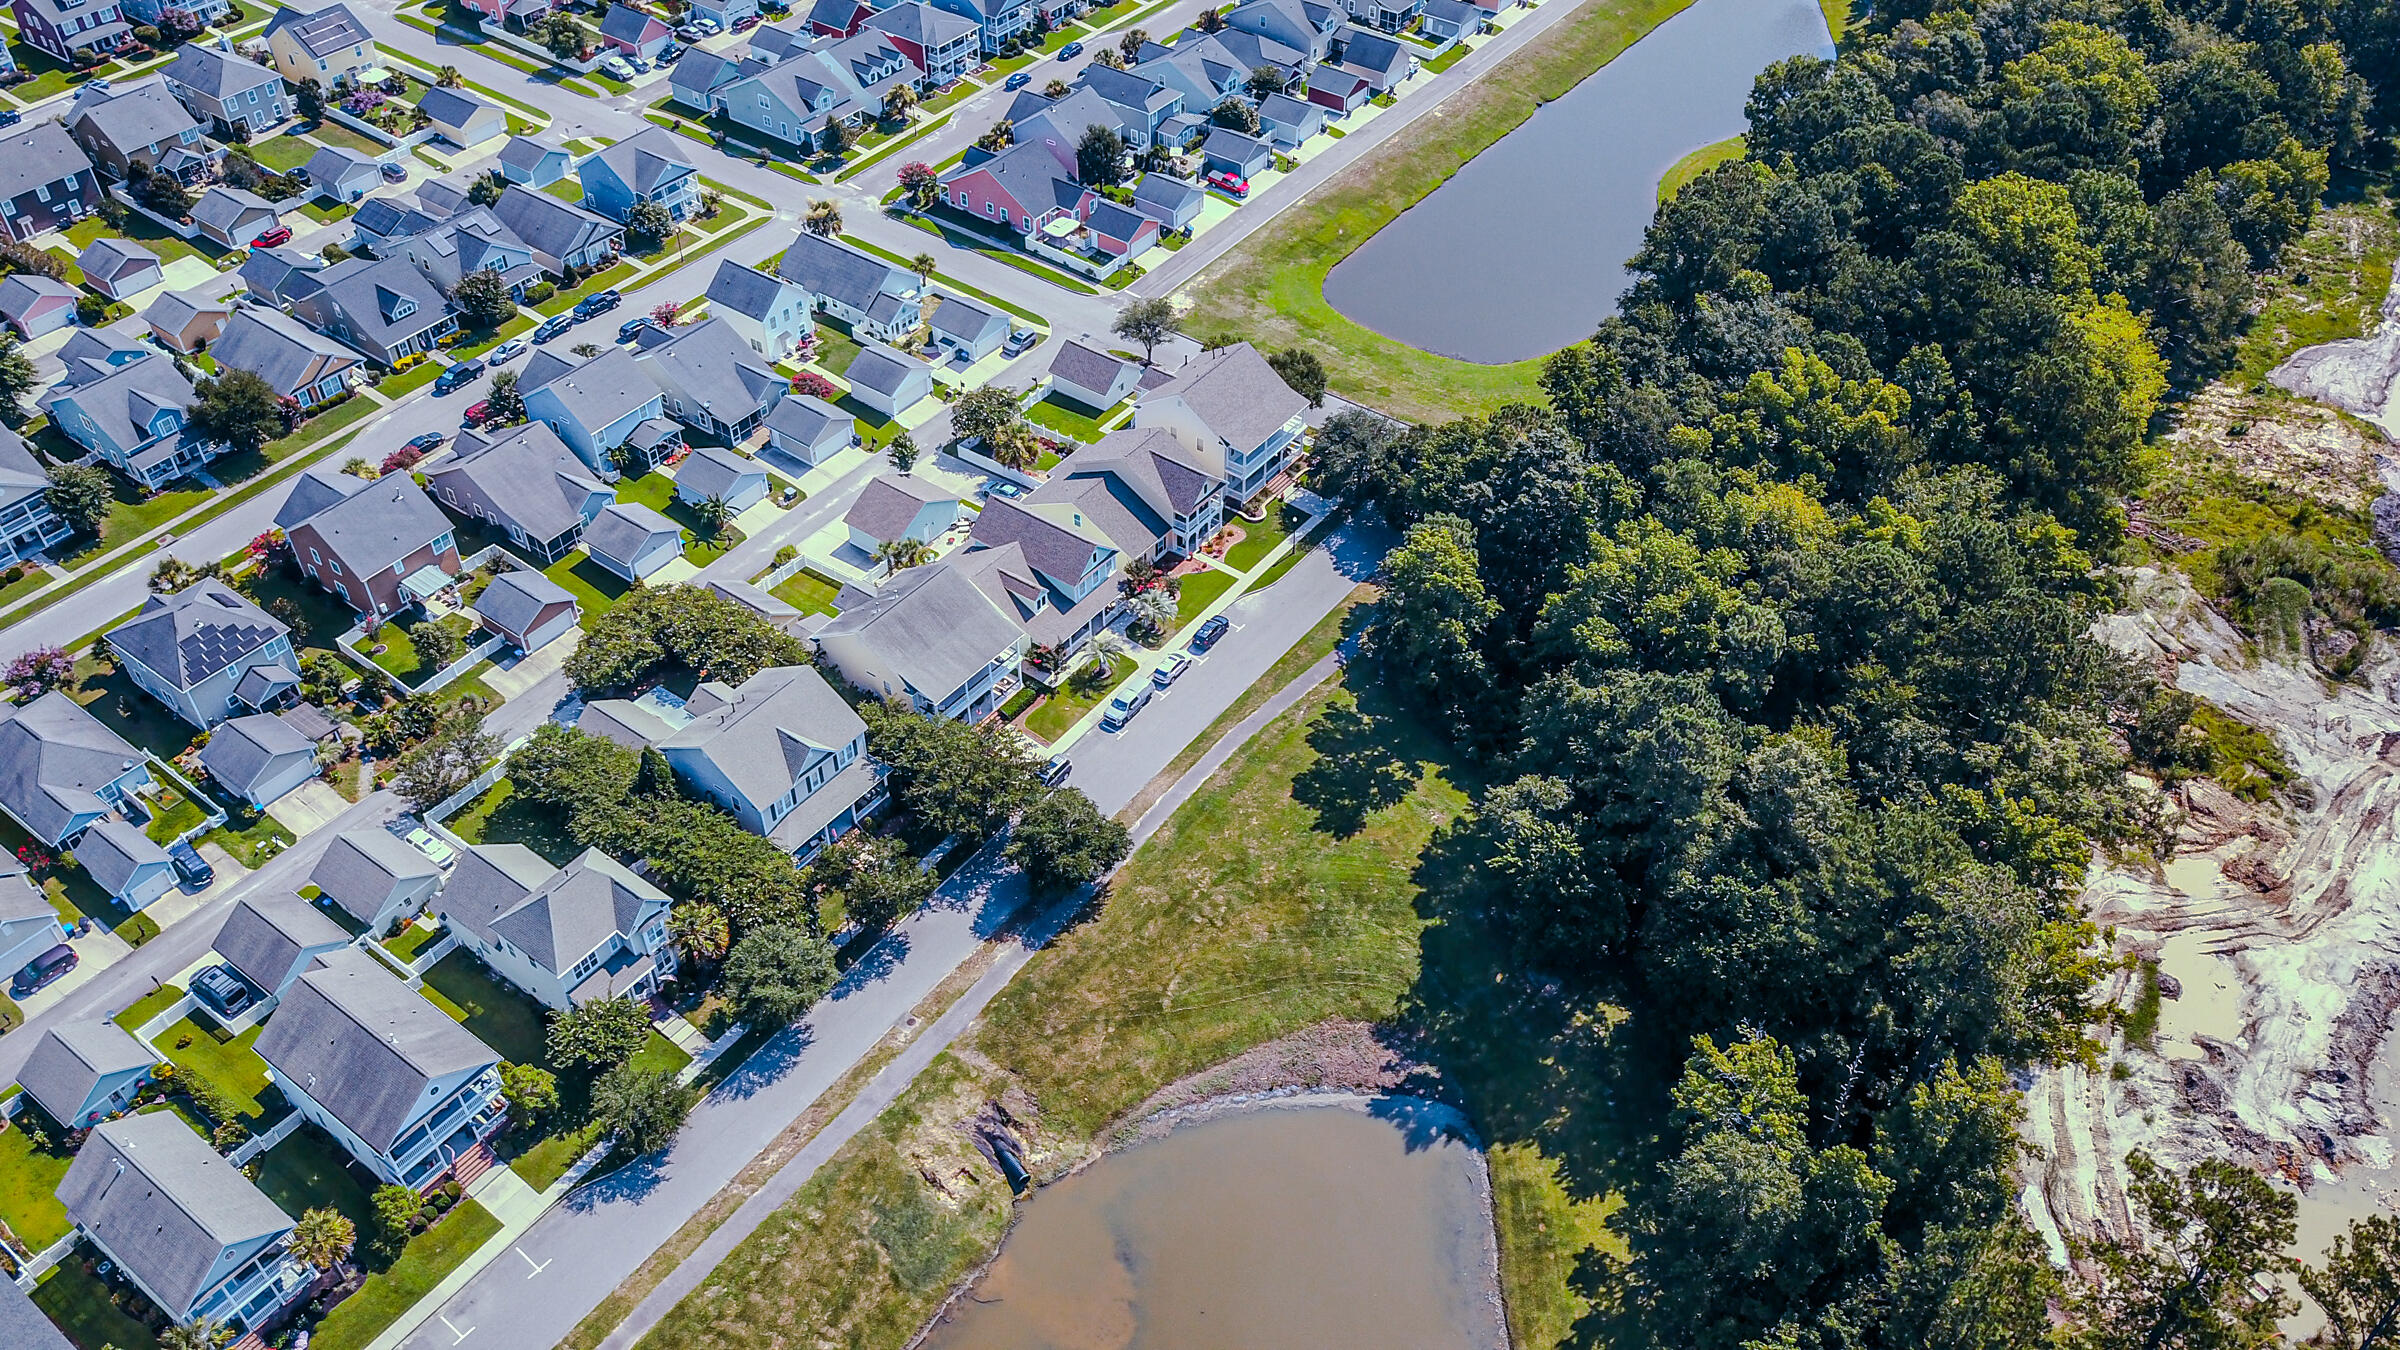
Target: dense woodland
1770, 630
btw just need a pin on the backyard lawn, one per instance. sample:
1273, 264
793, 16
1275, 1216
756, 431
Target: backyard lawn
357, 1320
400, 656
176, 815
203, 1050
168, 245
497, 818
342, 137
836, 349
566, 190
1068, 418
504, 1019
1260, 537
544, 1159
148, 1006
283, 153
107, 693
1198, 591
79, 1303
1081, 694
322, 618
310, 1171
250, 835
808, 592
29, 1178
597, 588
657, 491
411, 940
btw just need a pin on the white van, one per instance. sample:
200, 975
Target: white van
1122, 708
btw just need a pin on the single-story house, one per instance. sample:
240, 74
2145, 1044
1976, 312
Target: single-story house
1338, 89
526, 481
1169, 200
340, 175
1092, 378
1288, 121
810, 430
1120, 230
1447, 21
118, 268
270, 940
375, 877
714, 471
634, 32
888, 381
533, 161
1229, 151
296, 361
528, 609
233, 217
463, 118
85, 1071
899, 506
28, 925
34, 304
258, 758
187, 320
632, 540
969, 331
126, 863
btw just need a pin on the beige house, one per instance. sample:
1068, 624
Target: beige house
187, 320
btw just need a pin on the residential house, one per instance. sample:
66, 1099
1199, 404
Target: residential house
133, 415
83, 1072
699, 75
382, 222
767, 311
1251, 51
380, 548
998, 20
534, 161
897, 506
969, 331
28, 924
1302, 24
1204, 71
1060, 545
405, 1089
810, 430
727, 13
192, 649
880, 301
125, 862
258, 758
1448, 21
339, 175
1024, 187
528, 609
568, 936
224, 89
1170, 201
463, 118
563, 236
599, 406
474, 240
652, 165
776, 43
1147, 494
28, 524
283, 274
1142, 105
118, 268
526, 482
779, 615
120, 126
1232, 412
35, 306
713, 471
296, 361
1289, 122
710, 379
1339, 89
942, 46
838, 18
69, 31
46, 182
783, 753
844, 80
1385, 61
188, 15
385, 308
233, 217
888, 381
932, 636
1064, 119
1389, 15
632, 540
187, 320
633, 32
271, 940
515, 16
1119, 231
1091, 377
61, 771
329, 46
1229, 151
375, 877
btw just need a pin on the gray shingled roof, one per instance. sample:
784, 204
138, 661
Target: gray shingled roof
453, 107
530, 476
361, 869
626, 24
780, 723
19, 294
365, 1046
242, 748
836, 270
267, 934
386, 301
218, 74
758, 601
21, 475
334, 164
123, 399
315, 490
70, 1060
1236, 393
967, 321
931, 625
623, 722
488, 881
568, 916
196, 632
887, 504
1163, 191
713, 471
515, 599
621, 531
744, 290
713, 368
24, 1326
107, 255
922, 24
808, 419
131, 116
164, 1203
113, 851
283, 274
38, 156
222, 208
650, 157
601, 390
381, 524
527, 152
881, 369
54, 757
1057, 537
1086, 367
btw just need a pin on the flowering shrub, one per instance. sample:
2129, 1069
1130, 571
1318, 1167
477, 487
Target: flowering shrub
811, 383
39, 671
404, 458
268, 548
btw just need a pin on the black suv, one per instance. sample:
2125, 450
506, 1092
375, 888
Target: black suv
598, 302
222, 990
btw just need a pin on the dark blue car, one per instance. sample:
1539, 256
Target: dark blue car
553, 326
1209, 632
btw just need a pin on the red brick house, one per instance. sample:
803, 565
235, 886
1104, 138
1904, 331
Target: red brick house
369, 546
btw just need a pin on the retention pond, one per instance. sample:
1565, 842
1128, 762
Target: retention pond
1523, 251
1307, 1227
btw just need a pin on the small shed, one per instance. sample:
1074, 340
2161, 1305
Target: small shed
528, 609
632, 540
810, 430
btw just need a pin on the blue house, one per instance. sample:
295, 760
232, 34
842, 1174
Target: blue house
649, 166
1000, 20
133, 415
61, 770
608, 410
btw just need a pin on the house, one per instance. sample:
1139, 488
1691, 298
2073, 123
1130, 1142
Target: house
1142, 105
118, 268
1288, 122
258, 758
564, 237
528, 609
1302, 24
633, 32
1339, 89
28, 924
125, 862
888, 381
34, 305
1092, 378
794, 98
46, 182
83, 1072
710, 379
1063, 549
1148, 496
1233, 413
1197, 67
526, 482
282, 274
714, 471
765, 310
931, 636
781, 616
569, 935
329, 46
463, 118
727, 13
1063, 120
837, 18
1249, 52
120, 126
271, 940
134, 415
474, 240
652, 165
340, 175
24, 1326
997, 20
447, 195
1389, 15
896, 506
188, 15
1170, 201
378, 548
233, 217
385, 308
810, 430
296, 361
190, 650
533, 161
28, 524
406, 1090
223, 89
879, 300
375, 877
1448, 21
1119, 231
632, 540
67, 31
596, 407
187, 321
940, 44
1385, 61
384, 221
1024, 187
1229, 151
61, 770
699, 74
515, 16
969, 331
783, 753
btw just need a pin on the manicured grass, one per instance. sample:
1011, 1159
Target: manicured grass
29, 1180
808, 592
565, 189
359, 1319
228, 1062
310, 1171
400, 655
168, 245
972, 292
549, 1158
322, 618
660, 1055
1260, 537
595, 586
283, 153
504, 1019
497, 817
335, 134
324, 424
598, 281
1081, 694
148, 1006
1698, 162
411, 940
477, 343
1067, 417
108, 694
1197, 591
1271, 288
176, 815
34, 579
326, 214
410, 380
79, 1303
251, 837
835, 349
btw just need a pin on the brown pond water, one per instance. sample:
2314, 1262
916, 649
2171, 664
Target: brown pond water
1309, 1227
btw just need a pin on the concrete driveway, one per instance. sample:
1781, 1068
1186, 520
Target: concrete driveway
309, 807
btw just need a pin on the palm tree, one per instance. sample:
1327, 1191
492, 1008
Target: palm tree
205, 1334
898, 555
448, 77
1014, 446
586, 349
824, 217
700, 930
322, 1238
923, 265
713, 514
899, 102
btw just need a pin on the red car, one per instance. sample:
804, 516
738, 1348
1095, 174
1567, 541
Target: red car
477, 412
269, 238
1239, 187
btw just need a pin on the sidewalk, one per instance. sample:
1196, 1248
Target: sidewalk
518, 1207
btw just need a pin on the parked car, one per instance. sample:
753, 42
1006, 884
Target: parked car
1018, 341
271, 236
1171, 669
1232, 183
639, 62
553, 326
424, 842
427, 443
1055, 772
221, 989
1001, 487
476, 412
42, 969
1017, 81
618, 66
508, 350
707, 25
1070, 51
394, 173
668, 53
627, 329
598, 302
745, 23
9, 117
1122, 707
190, 865
454, 376
691, 32
1209, 632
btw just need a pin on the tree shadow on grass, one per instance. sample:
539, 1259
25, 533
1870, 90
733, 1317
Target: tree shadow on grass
1356, 773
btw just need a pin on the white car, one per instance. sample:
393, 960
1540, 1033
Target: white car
508, 350
1122, 708
619, 67
424, 842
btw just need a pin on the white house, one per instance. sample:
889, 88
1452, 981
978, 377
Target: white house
28, 924
897, 506
376, 877
565, 935
810, 430
767, 311
1231, 409
192, 651
888, 380
632, 540
259, 758
714, 471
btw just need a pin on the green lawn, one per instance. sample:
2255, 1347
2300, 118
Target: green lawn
283, 153
1081, 694
1259, 538
108, 694
203, 1050
809, 592
836, 349
597, 588
322, 425
497, 817
477, 343
250, 836
34, 579
598, 281
176, 816
411, 940
1068, 418
660, 1055
168, 245
334, 134
310, 1171
322, 618
400, 655
29, 1180
327, 213
1198, 591
79, 1303
1698, 162
656, 490
410, 380
148, 1006
566, 190
504, 1019
357, 1320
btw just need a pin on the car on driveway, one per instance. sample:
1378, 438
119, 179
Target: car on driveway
476, 412
1233, 184
1018, 341
424, 842
553, 326
1070, 51
691, 32
619, 67
454, 376
627, 329
394, 172
42, 969
1209, 632
598, 302
271, 236
508, 350
668, 53
190, 865
222, 990
1017, 81
425, 444
747, 22
1171, 669
1124, 705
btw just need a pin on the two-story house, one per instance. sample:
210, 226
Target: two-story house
710, 380
879, 300
569, 935
29, 925
1065, 549
188, 15
135, 415
1145, 492
72, 31
997, 20
1233, 413
1306, 25
1142, 105
330, 46
46, 182
192, 650
931, 636
385, 308
405, 1089
474, 240
120, 126
943, 46
296, 361
652, 165
769, 313
28, 525
61, 771
82, 1072
225, 89
606, 403
380, 547
526, 482
783, 753
562, 235
375, 877
1025, 187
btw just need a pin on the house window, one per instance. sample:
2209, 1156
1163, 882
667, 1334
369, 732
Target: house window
337, 567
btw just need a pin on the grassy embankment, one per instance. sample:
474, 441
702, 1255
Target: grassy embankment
1698, 162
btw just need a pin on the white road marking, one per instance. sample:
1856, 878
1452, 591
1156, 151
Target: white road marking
454, 1331
538, 1266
